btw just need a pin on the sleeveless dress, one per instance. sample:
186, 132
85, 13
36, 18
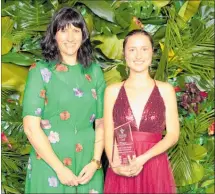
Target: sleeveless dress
67, 99
156, 175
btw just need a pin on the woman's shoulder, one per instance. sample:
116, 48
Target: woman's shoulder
114, 88
40, 64
165, 88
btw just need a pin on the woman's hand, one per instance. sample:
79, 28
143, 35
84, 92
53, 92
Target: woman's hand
136, 164
120, 170
66, 177
87, 173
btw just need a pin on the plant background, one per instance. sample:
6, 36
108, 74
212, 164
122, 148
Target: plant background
183, 31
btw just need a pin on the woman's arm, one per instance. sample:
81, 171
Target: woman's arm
41, 144
172, 125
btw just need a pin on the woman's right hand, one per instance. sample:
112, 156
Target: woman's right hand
67, 177
120, 170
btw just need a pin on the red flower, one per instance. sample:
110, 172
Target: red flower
10, 101
203, 94
65, 115
32, 66
67, 161
211, 129
88, 77
4, 139
61, 67
177, 89
42, 93
79, 147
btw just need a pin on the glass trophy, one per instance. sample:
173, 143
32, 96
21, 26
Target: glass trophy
123, 145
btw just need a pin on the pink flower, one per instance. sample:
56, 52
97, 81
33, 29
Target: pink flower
94, 93
88, 77
211, 129
53, 137
203, 94
78, 147
42, 93
45, 124
78, 92
53, 182
4, 139
65, 115
93, 191
61, 68
32, 66
67, 161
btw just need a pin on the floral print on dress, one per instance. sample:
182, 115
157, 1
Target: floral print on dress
94, 93
46, 100
53, 137
88, 77
67, 161
61, 68
46, 75
38, 111
42, 93
78, 92
93, 191
78, 147
92, 118
53, 182
65, 115
32, 66
45, 124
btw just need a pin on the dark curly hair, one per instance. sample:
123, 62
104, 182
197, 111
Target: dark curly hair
59, 21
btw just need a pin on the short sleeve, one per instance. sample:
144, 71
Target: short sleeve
100, 88
34, 95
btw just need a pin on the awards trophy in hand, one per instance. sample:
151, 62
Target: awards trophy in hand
123, 145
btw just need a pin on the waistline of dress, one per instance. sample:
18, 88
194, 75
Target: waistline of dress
146, 136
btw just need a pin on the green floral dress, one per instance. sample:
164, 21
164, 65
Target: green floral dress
67, 99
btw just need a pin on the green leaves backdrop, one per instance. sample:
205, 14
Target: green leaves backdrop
183, 32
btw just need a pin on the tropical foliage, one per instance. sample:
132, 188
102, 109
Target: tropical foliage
183, 33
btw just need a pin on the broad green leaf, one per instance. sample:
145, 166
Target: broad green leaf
111, 46
210, 190
161, 3
101, 9
22, 59
89, 21
196, 152
7, 27
14, 77
6, 45
54, 3
207, 183
189, 9
112, 76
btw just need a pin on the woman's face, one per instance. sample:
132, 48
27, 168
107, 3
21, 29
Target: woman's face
69, 40
138, 52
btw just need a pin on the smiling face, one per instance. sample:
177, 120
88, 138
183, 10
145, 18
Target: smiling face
138, 52
69, 40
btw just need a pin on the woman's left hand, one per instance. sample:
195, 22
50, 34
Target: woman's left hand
87, 173
136, 165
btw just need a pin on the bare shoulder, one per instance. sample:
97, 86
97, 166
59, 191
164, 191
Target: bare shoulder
113, 89
166, 89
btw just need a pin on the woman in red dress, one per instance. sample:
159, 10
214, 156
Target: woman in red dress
150, 107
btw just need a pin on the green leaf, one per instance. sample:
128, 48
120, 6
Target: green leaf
7, 27
196, 152
111, 46
101, 9
112, 76
189, 9
210, 190
10, 189
207, 183
14, 77
22, 59
161, 3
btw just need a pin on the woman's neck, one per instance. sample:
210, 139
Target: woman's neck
69, 60
139, 80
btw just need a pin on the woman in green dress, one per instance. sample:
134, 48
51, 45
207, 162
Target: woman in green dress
63, 97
